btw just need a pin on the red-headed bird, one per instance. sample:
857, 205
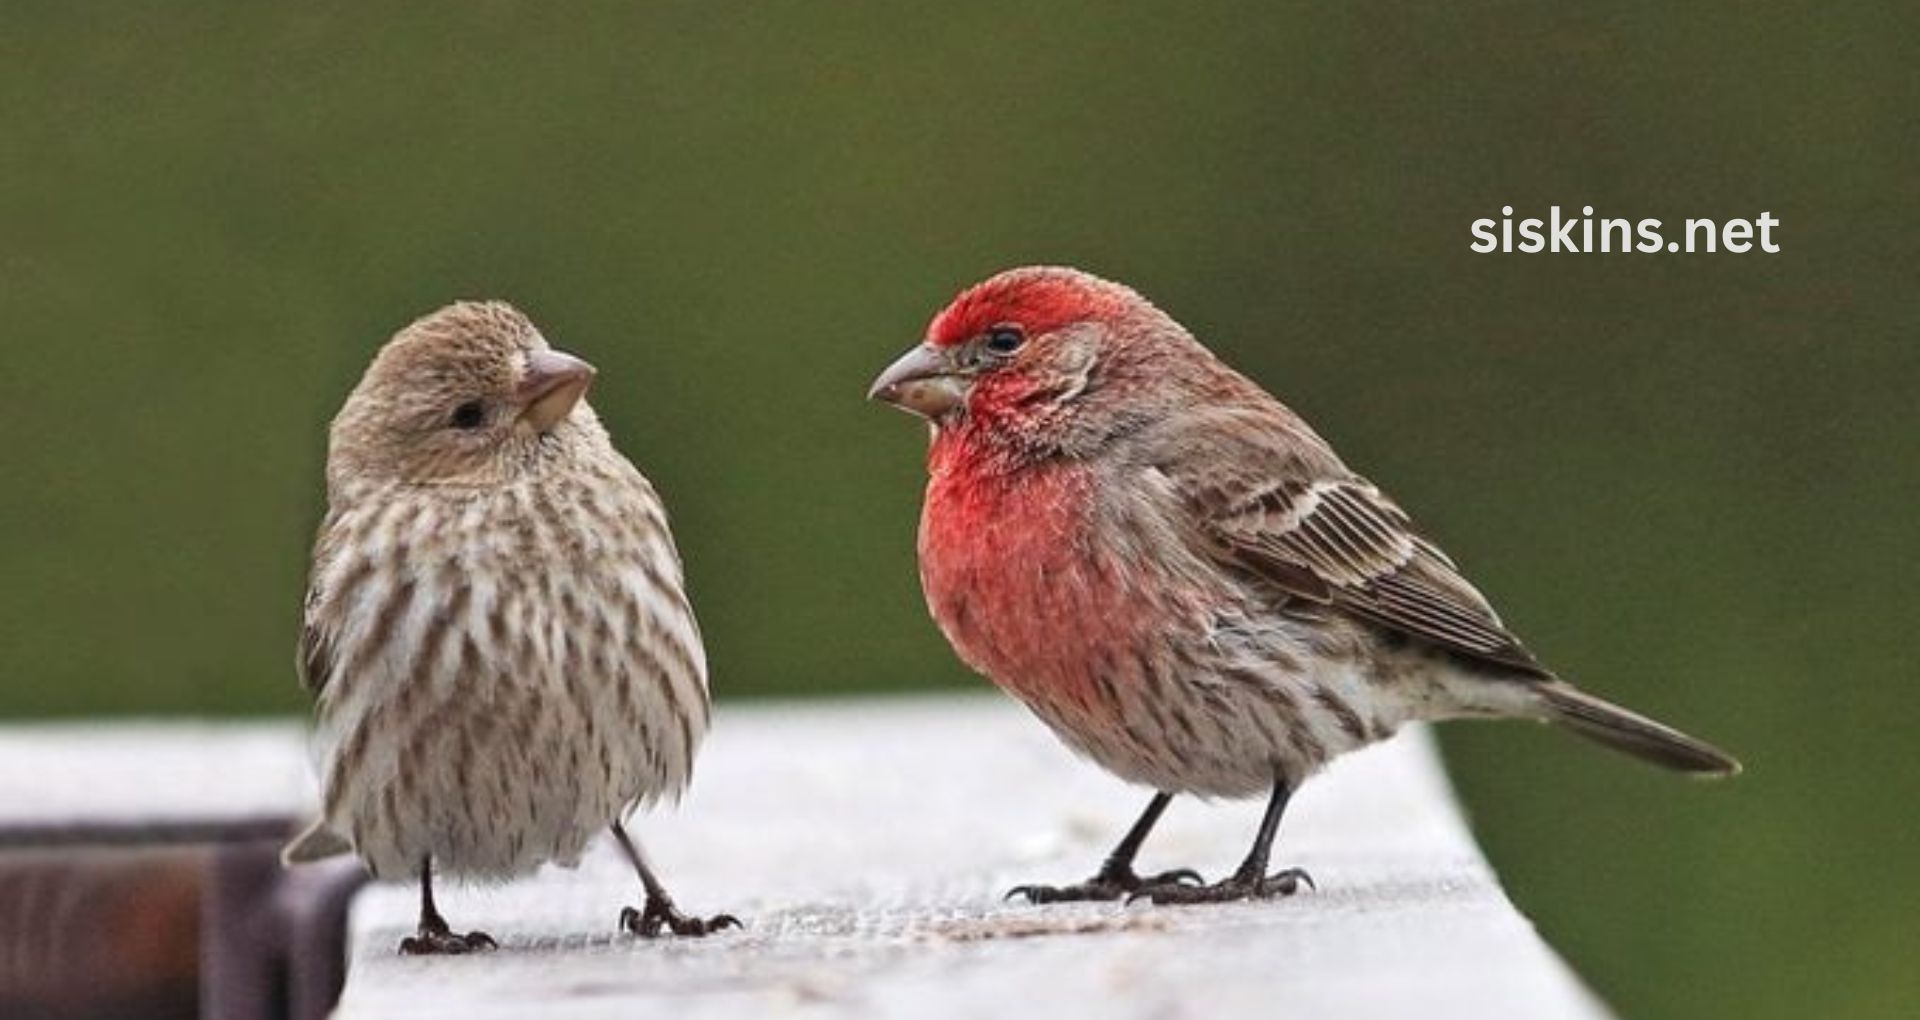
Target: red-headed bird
1181, 579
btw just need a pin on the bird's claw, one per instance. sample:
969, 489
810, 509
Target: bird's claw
433, 940
1056, 893
661, 915
1108, 885
1239, 887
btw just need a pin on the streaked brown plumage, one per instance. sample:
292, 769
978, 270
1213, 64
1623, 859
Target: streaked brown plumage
502, 656
1181, 578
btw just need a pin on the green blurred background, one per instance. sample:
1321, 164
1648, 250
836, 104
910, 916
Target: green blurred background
1688, 480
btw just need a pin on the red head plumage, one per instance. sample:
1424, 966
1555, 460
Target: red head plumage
1038, 299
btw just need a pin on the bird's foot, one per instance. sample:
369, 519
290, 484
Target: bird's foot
661, 915
434, 939
1109, 884
1241, 886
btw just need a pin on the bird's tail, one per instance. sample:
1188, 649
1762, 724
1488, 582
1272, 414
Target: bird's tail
317, 843
1606, 723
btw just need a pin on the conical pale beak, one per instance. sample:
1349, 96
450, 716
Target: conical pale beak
924, 381
554, 383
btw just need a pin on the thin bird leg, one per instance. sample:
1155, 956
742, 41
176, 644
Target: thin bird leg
1251, 881
434, 938
660, 913
1116, 877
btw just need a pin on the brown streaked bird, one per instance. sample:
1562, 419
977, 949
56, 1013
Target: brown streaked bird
497, 636
1181, 579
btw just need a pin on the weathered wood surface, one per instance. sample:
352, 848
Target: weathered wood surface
866, 844
164, 776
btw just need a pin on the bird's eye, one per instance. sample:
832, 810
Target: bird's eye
470, 415
1005, 339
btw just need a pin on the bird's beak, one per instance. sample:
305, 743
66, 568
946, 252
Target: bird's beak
924, 381
554, 383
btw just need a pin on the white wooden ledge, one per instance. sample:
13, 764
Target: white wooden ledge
867, 844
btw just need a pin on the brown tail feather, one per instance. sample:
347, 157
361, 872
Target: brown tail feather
1632, 733
317, 843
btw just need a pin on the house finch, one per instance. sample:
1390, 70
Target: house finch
496, 637
1181, 579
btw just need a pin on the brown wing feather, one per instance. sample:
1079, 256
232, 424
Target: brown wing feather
316, 661
1287, 510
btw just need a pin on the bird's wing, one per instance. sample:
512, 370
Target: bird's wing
316, 660
1275, 502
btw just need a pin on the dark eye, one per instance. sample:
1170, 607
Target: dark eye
1005, 339
470, 415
